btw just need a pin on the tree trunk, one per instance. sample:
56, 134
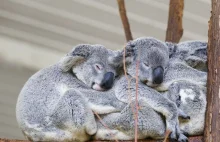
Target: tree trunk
212, 123
124, 19
174, 27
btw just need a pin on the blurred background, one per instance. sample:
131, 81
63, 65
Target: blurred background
37, 33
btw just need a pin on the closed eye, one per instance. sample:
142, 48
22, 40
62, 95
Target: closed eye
146, 64
98, 67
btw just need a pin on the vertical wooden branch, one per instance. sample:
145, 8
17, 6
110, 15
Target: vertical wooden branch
124, 19
212, 123
174, 27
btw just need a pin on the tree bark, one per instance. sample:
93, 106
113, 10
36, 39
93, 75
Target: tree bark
174, 27
124, 19
212, 123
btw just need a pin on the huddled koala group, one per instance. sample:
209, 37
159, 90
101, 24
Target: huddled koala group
60, 102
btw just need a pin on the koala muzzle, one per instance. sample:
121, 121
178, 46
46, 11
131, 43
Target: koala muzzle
108, 80
158, 75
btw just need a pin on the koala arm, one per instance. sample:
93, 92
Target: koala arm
72, 111
154, 99
165, 107
179, 71
121, 124
126, 92
103, 102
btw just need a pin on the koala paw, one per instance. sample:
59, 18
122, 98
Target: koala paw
182, 138
184, 117
173, 136
182, 114
91, 126
178, 136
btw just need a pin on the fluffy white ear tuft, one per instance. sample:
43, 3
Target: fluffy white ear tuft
66, 63
171, 47
116, 59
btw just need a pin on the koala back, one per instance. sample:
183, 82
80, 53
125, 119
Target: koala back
193, 53
41, 93
41, 96
192, 102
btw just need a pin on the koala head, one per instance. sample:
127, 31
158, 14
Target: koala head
90, 64
193, 53
151, 55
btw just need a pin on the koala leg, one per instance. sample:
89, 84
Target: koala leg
73, 114
70, 120
168, 109
193, 102
172, 95
121, 125
48, 133
182, 114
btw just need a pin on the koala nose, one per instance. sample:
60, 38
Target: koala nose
108, 80
158, 75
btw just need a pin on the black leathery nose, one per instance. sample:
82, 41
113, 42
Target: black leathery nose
108, 80
158, 75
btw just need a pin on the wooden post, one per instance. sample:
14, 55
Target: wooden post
124, 19
174, 26
212, 123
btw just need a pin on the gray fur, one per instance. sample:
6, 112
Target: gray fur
50, 106
185, 80
151, 104
190, 98
188, 61
150, 53
121, 124
193, 53
178, 71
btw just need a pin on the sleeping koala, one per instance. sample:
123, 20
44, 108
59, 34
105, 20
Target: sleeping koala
190, 98
152, 56
188, 61
50, 106
193, 53
185, 80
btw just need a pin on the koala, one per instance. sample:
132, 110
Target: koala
185, 80
193, 53
155, 110
50, 106
190, 98
188, 61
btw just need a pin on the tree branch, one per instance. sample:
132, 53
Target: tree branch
124, 19
212, 121
174, 27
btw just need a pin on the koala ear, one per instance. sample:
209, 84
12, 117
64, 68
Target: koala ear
197, 63
68, 62
171, 47
83, 50
198, 58
78, 54
116, 59
130, 50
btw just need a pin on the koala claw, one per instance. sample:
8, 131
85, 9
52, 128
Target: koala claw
182, 114
173, 137
182, 138
177, 135
184, 117
188, 117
